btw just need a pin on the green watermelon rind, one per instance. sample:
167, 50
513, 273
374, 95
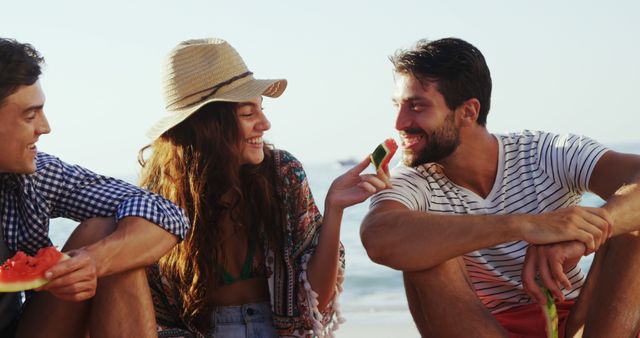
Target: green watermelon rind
550, 314
379, 154
21, 286
27, 285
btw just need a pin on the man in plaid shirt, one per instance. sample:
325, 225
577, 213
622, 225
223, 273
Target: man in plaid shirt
102, 288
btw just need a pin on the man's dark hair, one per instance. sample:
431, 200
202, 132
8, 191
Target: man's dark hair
19, 66
456, 67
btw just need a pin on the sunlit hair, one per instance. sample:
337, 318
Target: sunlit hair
195, 164
458, 69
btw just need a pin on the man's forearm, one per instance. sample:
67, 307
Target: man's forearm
136, 242
413, 240
624, 207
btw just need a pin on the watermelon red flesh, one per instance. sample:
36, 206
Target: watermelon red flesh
23, 272
383, 153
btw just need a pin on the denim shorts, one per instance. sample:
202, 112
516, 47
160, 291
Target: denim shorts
243, 321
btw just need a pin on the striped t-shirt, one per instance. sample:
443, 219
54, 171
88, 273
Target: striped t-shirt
537, 172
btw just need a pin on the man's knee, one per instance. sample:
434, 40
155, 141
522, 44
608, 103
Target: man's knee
451, 273
442, 284
625, 245
90, 231
439, 296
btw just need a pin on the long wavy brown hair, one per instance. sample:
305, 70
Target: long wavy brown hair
195, 164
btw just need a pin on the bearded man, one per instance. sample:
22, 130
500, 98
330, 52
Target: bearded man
478, 222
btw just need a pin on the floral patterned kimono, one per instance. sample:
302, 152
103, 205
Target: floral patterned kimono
293, 301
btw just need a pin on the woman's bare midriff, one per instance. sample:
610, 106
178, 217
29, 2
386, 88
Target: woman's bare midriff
254, 290
235, 250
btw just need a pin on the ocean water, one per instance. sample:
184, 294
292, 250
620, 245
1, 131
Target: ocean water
368, 287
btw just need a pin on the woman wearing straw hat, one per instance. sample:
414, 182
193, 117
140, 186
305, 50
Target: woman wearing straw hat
260, 260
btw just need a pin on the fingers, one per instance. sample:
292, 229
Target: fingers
371, 184
600, 218
591, 226
602, 213
529, 275
78, 291
546, 276
72, 279
361, 166
383, 174
588, 240
77, 261
557, 273
377, 182
596, 227
368, 187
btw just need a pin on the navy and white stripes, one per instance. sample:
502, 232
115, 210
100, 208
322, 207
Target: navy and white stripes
58, 189
537, 172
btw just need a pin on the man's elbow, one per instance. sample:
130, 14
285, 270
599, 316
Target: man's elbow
374, 243
164, 244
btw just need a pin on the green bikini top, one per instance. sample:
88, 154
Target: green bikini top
246, 272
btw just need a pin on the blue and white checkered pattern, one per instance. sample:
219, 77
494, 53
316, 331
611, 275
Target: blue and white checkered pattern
58, 189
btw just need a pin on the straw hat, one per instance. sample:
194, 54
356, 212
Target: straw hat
201, 71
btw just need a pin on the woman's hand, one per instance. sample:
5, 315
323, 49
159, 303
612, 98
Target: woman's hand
353, 187
348, 189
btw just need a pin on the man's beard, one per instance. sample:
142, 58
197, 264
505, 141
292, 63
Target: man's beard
441, 143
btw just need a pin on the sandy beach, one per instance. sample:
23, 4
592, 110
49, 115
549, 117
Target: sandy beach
378, 325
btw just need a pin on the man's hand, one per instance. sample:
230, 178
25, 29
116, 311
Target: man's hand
550, 262
73, 279
591, 226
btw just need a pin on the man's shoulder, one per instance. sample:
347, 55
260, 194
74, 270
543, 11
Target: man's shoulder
418, 177
523, 135
47, 165
51, 170
288, 167
284, 157
422, 170
526, 140
44, 160
51, 167
544, 140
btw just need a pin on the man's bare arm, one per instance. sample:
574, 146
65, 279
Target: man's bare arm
135, 243
410, 240
616, 178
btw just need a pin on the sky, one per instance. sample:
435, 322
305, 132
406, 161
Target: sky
560, 66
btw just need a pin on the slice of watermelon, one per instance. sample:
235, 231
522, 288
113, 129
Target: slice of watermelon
23, 272
383, 153
550, 314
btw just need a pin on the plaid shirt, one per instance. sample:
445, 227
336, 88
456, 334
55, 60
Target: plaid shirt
58, 189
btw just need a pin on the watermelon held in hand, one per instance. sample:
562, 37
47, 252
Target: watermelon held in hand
550, 314
383, 153
23, 272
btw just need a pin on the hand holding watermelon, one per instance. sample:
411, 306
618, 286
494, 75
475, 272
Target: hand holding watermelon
354, 187
74, 279
23, 272
548, 264
550, 314
383, 154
